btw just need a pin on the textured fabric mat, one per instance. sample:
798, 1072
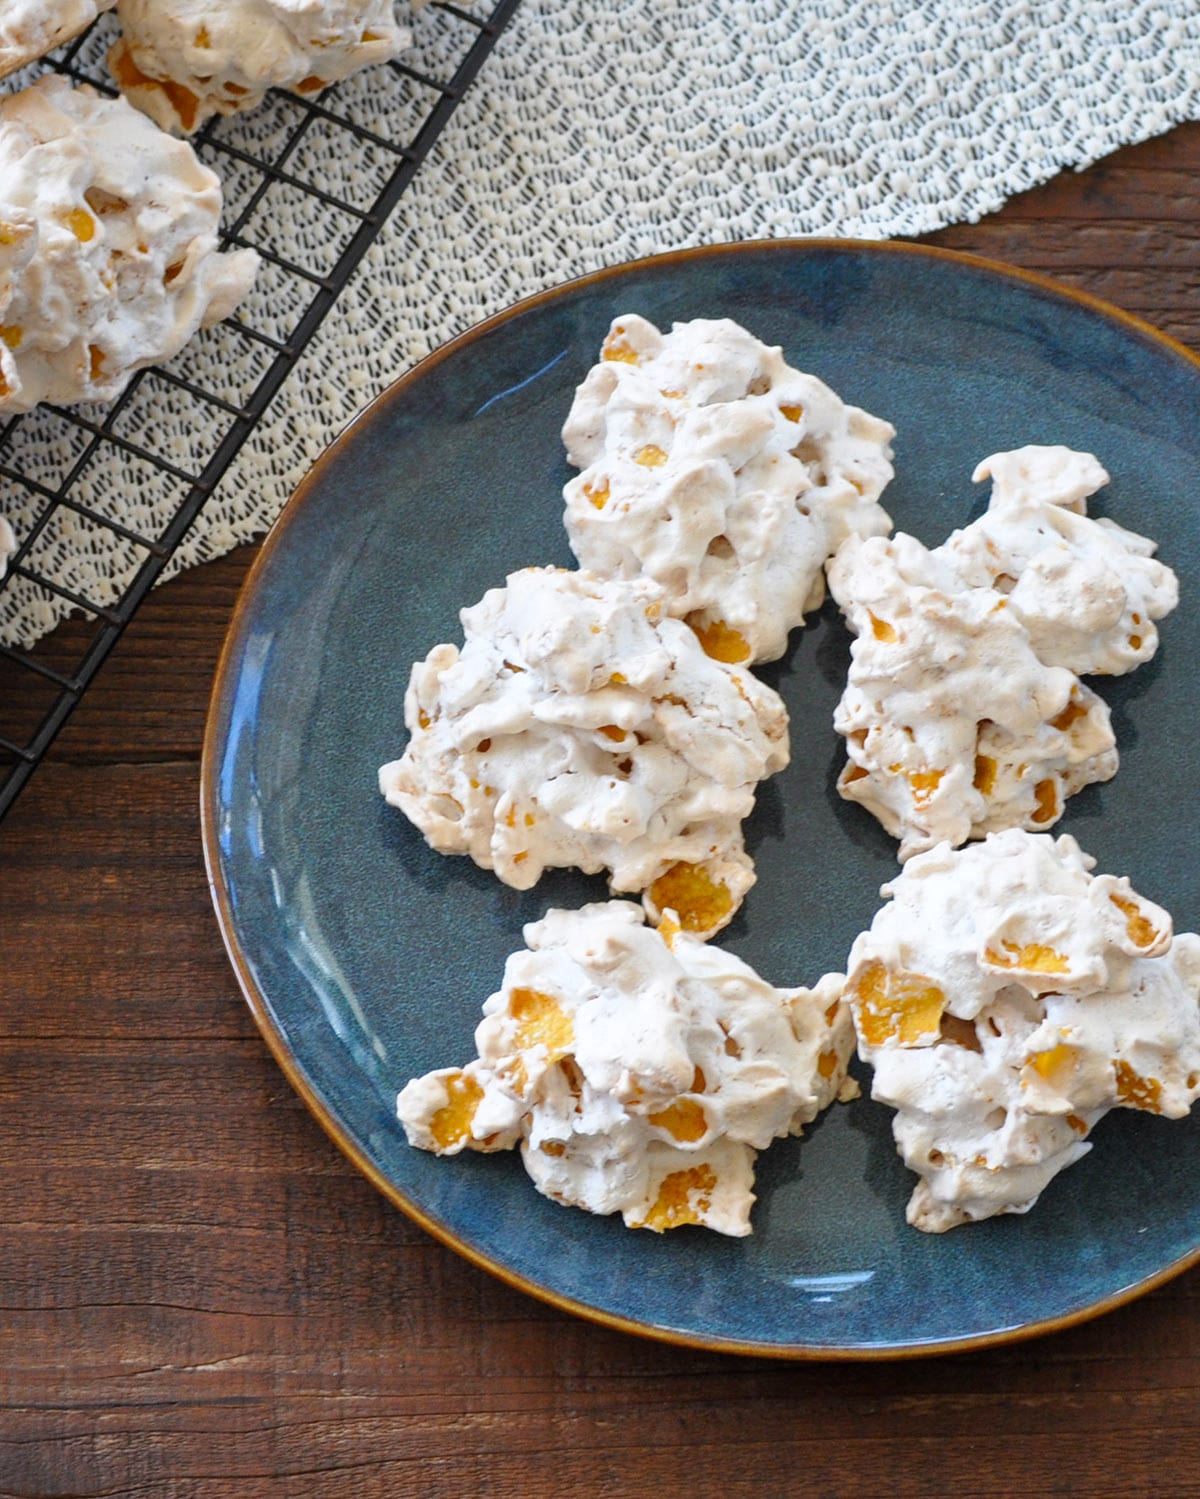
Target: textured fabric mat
598, 132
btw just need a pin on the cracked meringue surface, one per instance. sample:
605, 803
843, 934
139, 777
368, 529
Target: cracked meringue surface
1007, 999
578, 726
639, 1070
954, 726
183, 61
1088, 591
711, 466
31, 28
108, 246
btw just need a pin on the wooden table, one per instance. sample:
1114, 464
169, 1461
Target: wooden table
199, 1297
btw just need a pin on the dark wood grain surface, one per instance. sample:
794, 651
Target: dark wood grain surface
199, 1297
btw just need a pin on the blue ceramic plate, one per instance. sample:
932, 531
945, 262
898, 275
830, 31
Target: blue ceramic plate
366, 957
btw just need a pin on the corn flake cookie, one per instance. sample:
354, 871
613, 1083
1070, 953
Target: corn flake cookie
31, 28
1088, 591
639, 1071
578, 726
183, 61
108, 247
1007, 999
954, 726
729, 478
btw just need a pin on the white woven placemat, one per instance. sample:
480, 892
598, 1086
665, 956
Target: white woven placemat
601, 130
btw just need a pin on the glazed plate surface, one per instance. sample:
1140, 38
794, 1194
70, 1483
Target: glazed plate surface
366, 957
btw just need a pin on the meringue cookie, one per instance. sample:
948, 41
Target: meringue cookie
31, 28
639, 1070
108, 246
1007, 999
579, 727
954, 727
729, 478
183, 61
8, 545
1088, 591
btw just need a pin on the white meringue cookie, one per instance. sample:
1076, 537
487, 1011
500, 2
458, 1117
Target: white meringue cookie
108, 246
640, 1071
183, 61
31, 28
578, 727
729, 478
1007, 999
8, 545
954, 727
1088, 591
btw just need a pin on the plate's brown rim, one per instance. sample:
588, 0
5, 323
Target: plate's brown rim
257, 1001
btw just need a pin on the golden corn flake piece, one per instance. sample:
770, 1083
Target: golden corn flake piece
685, 1120
451, 1125
986, 770
1046, 804
669, 928
700, 902
541, 1022
81, 224
924, 783
650, 456
1141, 930
1033, 957
904, 1008
1057, 1065
683, 1197
1070, 715
1138, 1092
719, 641
615, 349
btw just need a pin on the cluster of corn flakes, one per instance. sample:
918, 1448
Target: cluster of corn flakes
640, 1071
728, 477
1007, 999
579, 726
963, 711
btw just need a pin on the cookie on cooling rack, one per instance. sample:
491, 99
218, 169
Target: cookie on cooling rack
108, 246
183, 61
31, 28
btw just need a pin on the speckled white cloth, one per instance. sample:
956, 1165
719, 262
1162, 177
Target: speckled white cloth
600, 132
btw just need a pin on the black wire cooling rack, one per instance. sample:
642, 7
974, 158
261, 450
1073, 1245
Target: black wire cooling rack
348, 154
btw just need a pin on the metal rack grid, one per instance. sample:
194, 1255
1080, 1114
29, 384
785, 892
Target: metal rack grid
60, 462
